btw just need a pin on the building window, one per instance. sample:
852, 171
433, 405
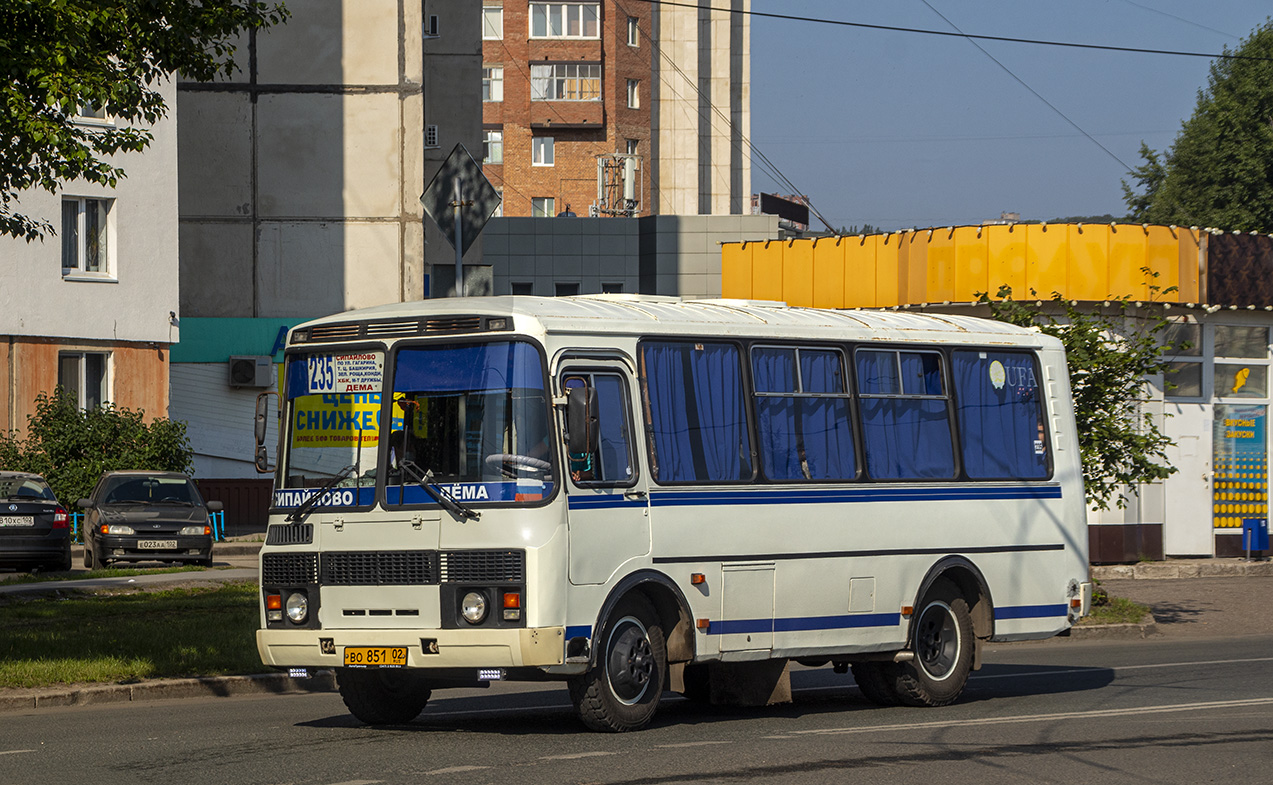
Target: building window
633, 145
91, 113
430, 136
543, 206
84, 375
492, 22
612, 288
493, 83
541, 150
565, 20
85, 235
1183, 376
522, 288
633, 32
492, 146
566, 289
499, 206
634, 94
565, 82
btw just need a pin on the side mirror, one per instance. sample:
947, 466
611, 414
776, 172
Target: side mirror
581, 420
262, 455
215, 506
84, 504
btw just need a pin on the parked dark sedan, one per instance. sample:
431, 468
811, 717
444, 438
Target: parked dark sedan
35, 531
146, 516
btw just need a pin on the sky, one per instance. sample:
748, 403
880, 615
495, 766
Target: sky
902, 130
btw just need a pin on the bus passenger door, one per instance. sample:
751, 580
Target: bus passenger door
607, 496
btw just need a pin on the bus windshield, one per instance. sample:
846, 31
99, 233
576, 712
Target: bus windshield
473, 415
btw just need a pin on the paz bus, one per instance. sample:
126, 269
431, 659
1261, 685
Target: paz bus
637, 494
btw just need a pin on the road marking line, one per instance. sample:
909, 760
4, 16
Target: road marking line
456, 770
14, 752
1070, 715
358, 782
691, 744
577, 755
1063, 671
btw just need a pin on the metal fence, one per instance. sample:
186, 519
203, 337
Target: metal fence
216, 519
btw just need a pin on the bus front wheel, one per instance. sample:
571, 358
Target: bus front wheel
621, 691
942, 642
383, 696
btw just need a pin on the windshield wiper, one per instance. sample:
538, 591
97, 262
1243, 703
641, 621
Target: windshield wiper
309, 504
425, 480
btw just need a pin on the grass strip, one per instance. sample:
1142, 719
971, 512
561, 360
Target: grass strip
113, 572
172, 633
1107, 609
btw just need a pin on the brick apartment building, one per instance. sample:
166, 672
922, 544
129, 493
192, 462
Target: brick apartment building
566, 82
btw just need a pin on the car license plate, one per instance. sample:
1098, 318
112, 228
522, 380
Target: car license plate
157, 544
375, 656
16, 520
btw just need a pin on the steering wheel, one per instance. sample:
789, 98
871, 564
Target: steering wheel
513, 466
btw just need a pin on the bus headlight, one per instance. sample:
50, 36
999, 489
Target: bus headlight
473, 608
297, 607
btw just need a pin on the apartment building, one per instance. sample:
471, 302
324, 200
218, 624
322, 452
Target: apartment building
616, 107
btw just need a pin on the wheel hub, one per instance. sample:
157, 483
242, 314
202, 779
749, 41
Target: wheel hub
630, 664
937, 641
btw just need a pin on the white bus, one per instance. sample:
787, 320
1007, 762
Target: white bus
637, 494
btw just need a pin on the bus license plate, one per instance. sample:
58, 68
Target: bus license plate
157, 544
375, 656
16, 520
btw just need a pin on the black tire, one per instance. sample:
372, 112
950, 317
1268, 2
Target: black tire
698, 683
90, 558
942, 641
383, 696
621, 691
877, 681
61, 565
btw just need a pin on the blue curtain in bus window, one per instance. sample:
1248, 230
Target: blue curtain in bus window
1000, 415
907, 438
468, 368
697, 420
921, 373
825, 422
774, 371
877, 373
612, 434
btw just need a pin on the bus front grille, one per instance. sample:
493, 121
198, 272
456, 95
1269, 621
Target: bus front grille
290, 534
289, 569
379, 568
483, 566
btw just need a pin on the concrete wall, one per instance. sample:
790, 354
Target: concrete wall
675, 255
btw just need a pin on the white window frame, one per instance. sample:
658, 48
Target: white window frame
565, 82
492, 17
499, 206
632, 146
634, 31
492, 83
634, 93
542, 151
543, 206
76, 261
80, 358
492, 146
554, 20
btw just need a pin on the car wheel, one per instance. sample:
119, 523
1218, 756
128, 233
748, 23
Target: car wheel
942, 641
90, 558
63, 564
621, 691
383, 696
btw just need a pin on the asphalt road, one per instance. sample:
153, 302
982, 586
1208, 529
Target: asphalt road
1164, 710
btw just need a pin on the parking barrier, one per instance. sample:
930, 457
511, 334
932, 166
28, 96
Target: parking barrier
217, 519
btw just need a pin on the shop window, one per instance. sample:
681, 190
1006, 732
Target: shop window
1184, 380
1183, 339
1237, 380
1241, 341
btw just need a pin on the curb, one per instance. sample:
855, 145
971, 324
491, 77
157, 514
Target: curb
1202, 568
1145, 629
165, 689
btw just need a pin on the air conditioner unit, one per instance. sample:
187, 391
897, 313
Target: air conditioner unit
252, 371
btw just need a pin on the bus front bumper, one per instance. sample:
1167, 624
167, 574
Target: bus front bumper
461, 648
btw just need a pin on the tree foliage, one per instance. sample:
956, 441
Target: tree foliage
1219, 170
1109, 352
59, 55
71, 447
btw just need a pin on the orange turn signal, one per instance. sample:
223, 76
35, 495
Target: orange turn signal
697, 577
907, 610
703, 623
274, 602
512, 599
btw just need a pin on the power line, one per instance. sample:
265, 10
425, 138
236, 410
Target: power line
922, 31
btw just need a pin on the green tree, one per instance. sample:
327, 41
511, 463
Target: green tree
71, 446
1109, 353
1219, 170
59, 55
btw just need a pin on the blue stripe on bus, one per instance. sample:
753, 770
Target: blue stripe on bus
803, 624
579, 631
1030, 612
864, 493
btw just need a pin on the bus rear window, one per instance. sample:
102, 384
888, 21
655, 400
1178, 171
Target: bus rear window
1000, 415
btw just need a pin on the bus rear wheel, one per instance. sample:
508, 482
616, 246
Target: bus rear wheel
383, 696
942, 642
621, 691
877, 681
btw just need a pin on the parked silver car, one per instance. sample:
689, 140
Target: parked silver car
35, 531
146, 516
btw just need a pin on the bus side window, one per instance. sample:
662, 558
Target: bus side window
611, 463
